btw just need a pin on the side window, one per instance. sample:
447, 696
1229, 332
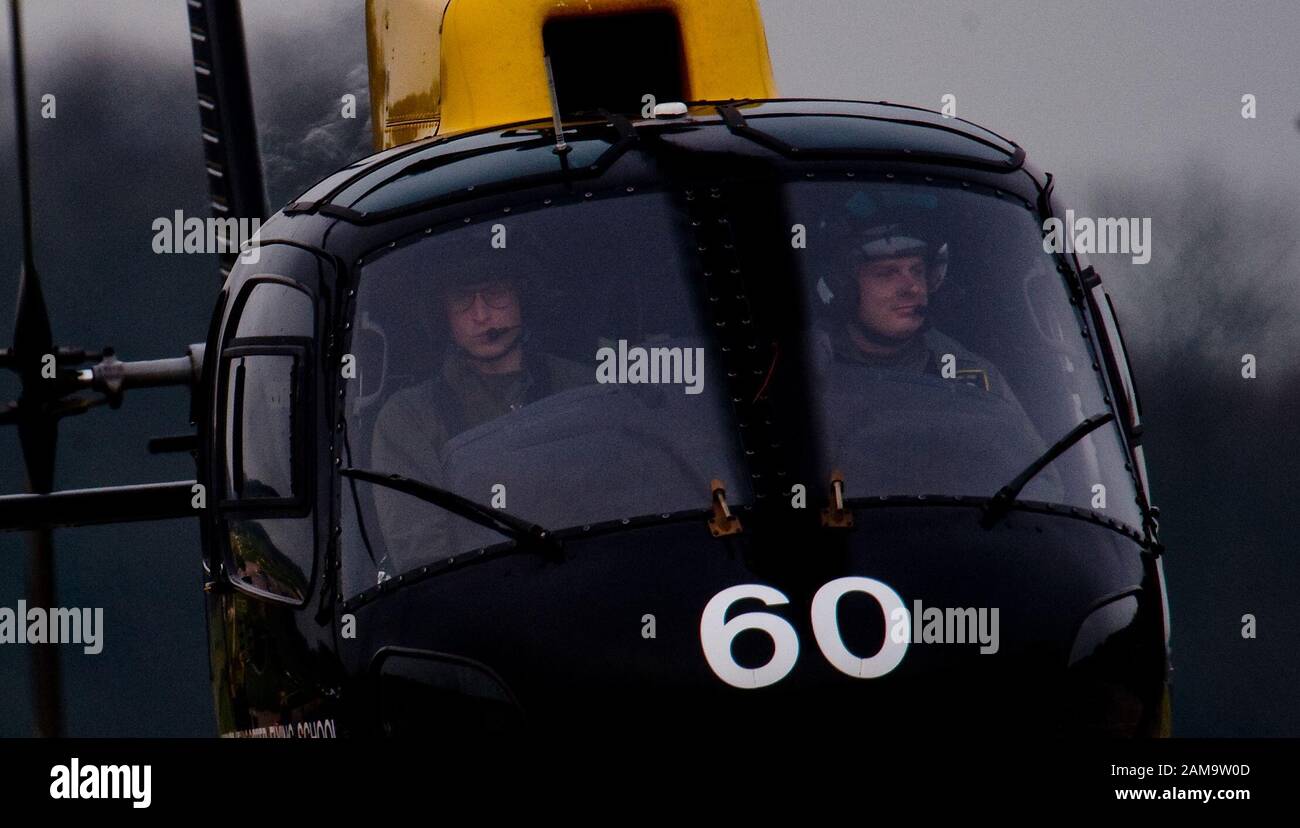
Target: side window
264, 455
265, 385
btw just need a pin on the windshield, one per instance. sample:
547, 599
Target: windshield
944, 351
553, 364
558, 364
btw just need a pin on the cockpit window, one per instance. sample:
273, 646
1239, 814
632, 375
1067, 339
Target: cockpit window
946, 355
559, 365
552, 364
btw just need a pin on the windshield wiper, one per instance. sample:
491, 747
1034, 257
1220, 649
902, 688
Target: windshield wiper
517, 529
1001, 503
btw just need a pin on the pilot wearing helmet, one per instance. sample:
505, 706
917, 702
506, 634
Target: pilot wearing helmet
908, 409
488, 370
879, 302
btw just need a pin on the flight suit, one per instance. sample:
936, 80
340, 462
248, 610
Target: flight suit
924, 354
892, 429
415, 424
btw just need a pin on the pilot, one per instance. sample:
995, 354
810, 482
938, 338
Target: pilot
880, 303
488, 370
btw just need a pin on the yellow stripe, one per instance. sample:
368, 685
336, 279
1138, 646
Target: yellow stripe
441, 66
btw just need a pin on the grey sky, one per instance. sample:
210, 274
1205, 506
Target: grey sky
1086, 87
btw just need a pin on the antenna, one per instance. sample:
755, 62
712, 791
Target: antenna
561, 148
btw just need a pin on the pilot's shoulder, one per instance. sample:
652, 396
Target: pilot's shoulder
565, 373
940, 344
971, 367
407, 404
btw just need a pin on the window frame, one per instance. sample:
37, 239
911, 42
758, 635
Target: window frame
301, 505
1121, 382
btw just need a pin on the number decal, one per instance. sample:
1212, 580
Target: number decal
717, 633
826, 627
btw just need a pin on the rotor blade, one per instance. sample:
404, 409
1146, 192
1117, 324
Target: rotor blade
47, 682
226, 114
38, 435
33, 341
20, 110
32, 336
37, 429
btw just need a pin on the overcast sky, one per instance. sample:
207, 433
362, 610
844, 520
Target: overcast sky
1129, 104
1109, 85
1113, 85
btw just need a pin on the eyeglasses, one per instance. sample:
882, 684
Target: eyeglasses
497, 295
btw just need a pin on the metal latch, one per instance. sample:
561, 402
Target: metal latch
835, 515
723, 522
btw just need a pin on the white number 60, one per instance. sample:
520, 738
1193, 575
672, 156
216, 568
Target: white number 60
717, 634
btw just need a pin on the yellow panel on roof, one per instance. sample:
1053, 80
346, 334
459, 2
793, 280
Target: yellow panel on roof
438, 67
403, 40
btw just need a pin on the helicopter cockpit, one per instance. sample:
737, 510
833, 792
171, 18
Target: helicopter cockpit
581, 444
645, 415
995, 371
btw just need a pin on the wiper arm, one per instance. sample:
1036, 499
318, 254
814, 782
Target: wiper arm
1001, 503
516, 529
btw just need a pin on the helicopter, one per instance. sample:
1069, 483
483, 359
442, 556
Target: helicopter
719, 495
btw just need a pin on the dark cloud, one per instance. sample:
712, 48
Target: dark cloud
301, 68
